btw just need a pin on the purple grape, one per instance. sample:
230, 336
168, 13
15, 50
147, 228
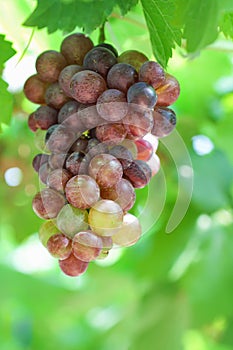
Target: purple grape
164, 121
69, 117
100, 60
32, 123
86, 246
89, 117
55, 96
72, 266
111, 134
112, 105
121, 76
122, 154
138, 173
47, 203
138, 122
49, 64
142, 94
60, 139
39, 160
66, 75
80, 144
86, 86
34, 89
45, 117
74, 47
58, 178
73, 162
59, 246
44, 172
145, 150
82, 191
152, 73
57, 160
109, 47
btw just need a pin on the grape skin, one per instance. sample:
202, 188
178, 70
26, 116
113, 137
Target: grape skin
111, 134
142, 94
86, 86
55, 96
100, 60
168, 92
152, 73
73, 162
145, 149
47, 203
86, 246
45, 116
60, 139
82, 191
58, 178
112, 105
74, 47
110, 47
138, 122
138, 173
47, 229
34, 89
49, 65
105, 217
133, 57
121, 76
164, 121
129, 233
39, 160
71, 220
59, 246
72, 266
66, 75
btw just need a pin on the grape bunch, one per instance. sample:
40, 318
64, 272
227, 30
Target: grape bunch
97, 127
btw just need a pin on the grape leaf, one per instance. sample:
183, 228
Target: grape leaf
159, 15
6, 103
6, 50
68, 15
226, 25
200, 23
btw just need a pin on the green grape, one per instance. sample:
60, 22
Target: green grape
105, 217
71, 220
47, 229
129, 233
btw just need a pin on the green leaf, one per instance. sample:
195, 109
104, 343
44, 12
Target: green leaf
67, 15
125, 6
6, 50
226, 25
6, 103
164, 34
201, 23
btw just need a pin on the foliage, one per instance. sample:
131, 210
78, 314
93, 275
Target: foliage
169, 291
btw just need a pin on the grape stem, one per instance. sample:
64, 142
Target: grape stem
102, 33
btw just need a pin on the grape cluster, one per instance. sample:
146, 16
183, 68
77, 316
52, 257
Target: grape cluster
97, 127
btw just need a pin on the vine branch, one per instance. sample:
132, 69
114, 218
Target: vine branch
102, 33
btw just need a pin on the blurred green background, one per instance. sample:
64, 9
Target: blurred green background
170, 291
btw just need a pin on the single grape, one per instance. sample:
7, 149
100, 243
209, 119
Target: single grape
164, 121
82, 191
44, 172
80, 144
105, 217
66, 75
49, 64
47, 203
152, 73
138, 122
57, 160
154, 164
138, 173
74, 47
72, 266
60, 139
71, 220
86, 86
100, 60
169, 91
55, 97
39, 160
130, 146
122, 193
121, 76
108, 46
111, 134
73, 162
68, 116
129, 233
133, 57
105, 169
58, 178
122, 154
32, 123
47, 229
142, 94
86, 246
59, 246
145, 149
45, 116
34, 89
112, 105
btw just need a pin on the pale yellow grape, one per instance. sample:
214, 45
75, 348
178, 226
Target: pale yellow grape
129, 233
105, 217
